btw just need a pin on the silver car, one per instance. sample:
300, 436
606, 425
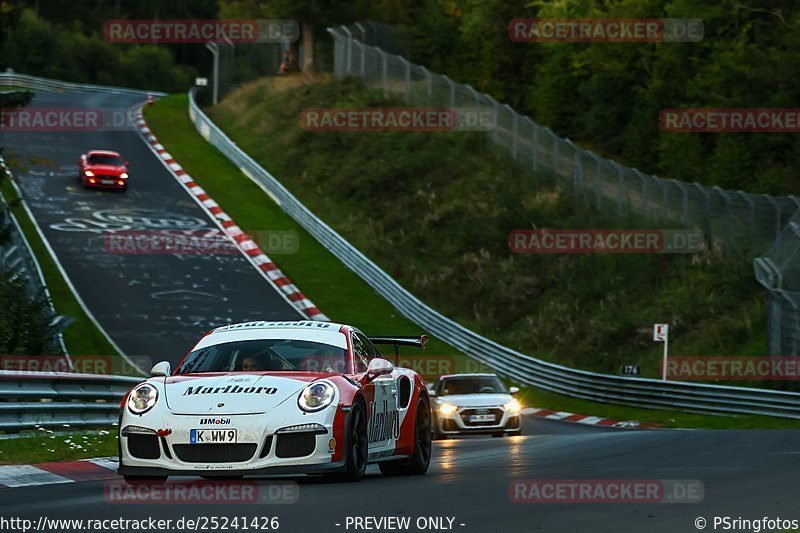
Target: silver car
466, 404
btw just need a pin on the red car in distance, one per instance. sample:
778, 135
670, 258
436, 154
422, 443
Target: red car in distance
103, 169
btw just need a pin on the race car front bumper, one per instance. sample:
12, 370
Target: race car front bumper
106, 182
262, 447
460, 422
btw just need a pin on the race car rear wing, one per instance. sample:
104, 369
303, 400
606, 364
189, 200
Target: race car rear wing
418, 342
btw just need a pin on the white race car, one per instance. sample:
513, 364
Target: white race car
466, 404
278, 397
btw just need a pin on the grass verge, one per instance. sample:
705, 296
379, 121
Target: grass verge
44, 446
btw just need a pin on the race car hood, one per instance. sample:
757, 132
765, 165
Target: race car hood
227, 394
476, 400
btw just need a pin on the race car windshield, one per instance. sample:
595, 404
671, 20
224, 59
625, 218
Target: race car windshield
97, 159
272, 355
472, 385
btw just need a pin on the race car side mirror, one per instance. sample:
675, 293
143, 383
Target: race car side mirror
513, 390
161, 369
378, 367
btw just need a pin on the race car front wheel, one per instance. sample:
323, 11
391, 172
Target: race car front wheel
419, 461
356, 460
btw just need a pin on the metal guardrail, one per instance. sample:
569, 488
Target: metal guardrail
13, 79
507, 362
54, 399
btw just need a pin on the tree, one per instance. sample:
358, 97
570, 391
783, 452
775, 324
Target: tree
313, 17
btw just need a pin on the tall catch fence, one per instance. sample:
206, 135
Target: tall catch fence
739, 223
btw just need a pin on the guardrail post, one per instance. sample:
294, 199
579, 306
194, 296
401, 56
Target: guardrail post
363, 48
644, 180
363, 32
430, 83
555, 152
384, 80
577, 169
747, 198
408, 77
728, 215
513, 132
620, 189
778, 225
214, 49
349, 62
685, 215
598, 180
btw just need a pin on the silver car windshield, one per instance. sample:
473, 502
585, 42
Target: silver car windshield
472, 385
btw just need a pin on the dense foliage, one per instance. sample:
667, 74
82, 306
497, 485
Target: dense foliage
608, 96
65, 41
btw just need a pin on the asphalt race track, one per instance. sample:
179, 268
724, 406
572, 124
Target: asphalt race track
153, 305
749, 474
157, 305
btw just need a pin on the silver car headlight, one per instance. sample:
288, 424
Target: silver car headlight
447, 409
316, 396
142, 399
513, 406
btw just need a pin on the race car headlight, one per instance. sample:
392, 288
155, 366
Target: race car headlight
513, 406
142, 399
447, 409
89, 173
124, 176
316, 396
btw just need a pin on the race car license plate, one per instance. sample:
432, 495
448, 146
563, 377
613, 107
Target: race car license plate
211, 436
107, 182
482, 418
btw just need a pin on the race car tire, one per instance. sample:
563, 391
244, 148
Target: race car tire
356, 460
420, 459
145, 480
498, 434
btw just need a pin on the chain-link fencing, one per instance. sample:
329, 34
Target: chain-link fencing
734, 221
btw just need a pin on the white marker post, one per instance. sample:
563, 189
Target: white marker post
661, 334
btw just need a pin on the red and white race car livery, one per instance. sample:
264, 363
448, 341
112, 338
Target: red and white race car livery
278, 397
